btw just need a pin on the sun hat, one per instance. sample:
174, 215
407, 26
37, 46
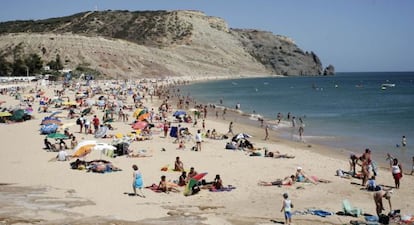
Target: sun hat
299, 168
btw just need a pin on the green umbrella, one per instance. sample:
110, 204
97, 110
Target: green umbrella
57, 136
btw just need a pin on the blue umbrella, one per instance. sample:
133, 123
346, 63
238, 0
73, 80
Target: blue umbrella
179, 113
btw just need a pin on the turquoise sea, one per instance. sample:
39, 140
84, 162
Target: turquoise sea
348, 110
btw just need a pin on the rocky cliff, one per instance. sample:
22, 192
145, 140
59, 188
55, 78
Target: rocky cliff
157, 43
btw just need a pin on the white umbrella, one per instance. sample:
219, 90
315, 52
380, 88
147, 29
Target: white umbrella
84, 143
103, 147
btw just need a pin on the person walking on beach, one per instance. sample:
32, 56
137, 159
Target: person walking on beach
266, 132
286, 208
301, 130
137, 181
230, 128
224, 113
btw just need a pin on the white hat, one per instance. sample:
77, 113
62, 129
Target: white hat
299, 168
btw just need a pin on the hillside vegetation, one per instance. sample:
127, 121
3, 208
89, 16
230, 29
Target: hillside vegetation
157, 44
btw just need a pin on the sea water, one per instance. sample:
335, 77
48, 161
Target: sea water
352, 111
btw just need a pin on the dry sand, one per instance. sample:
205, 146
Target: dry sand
38, 190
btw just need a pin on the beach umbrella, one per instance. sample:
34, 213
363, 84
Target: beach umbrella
136, 112
54, 114
143, 116
241, 136
103, 147
86, 111
179, 113
48, 128
4, 114
139, 125
51, 121
69, 103
193, 181
84, 143
57, 136
83, 151
101, 132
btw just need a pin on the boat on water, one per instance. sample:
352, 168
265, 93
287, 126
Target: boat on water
387, 85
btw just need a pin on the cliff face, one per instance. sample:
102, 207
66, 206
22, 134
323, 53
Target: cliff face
157, 43
278, 53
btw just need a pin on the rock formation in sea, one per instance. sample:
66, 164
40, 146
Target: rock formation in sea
157, 44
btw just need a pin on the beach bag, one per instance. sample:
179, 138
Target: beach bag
384, 219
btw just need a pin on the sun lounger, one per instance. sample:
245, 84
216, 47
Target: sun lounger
349, 210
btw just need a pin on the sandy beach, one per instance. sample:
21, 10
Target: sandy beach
36, 189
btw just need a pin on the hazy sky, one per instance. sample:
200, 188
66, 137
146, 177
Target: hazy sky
353, 35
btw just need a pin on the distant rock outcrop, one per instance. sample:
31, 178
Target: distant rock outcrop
278, 53
157, 43
329, 70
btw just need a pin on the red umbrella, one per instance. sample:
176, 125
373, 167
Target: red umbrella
139, 125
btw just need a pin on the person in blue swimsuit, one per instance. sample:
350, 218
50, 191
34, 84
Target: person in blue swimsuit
137, 181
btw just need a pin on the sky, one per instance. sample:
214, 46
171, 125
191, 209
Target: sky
352, 35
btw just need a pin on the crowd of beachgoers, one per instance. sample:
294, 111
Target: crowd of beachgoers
172, 144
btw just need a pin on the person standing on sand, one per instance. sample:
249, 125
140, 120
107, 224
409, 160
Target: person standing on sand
286, 208
198, 140
137, 181
301, 130
224, 113
397, 172
266, 132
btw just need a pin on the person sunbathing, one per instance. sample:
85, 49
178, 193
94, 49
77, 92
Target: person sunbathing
277, 155
300, 176
165, 187
286, 181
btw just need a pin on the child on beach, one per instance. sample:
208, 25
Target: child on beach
286, 208
137, 181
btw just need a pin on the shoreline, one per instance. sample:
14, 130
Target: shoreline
247, 203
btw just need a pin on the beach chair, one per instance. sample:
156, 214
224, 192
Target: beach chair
349, 210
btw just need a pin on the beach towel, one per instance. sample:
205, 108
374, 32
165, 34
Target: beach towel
154, 188
320, 213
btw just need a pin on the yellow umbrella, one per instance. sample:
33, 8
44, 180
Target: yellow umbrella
136, 113
3, 114
83, 151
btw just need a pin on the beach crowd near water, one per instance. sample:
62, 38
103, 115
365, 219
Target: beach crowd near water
143, 151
